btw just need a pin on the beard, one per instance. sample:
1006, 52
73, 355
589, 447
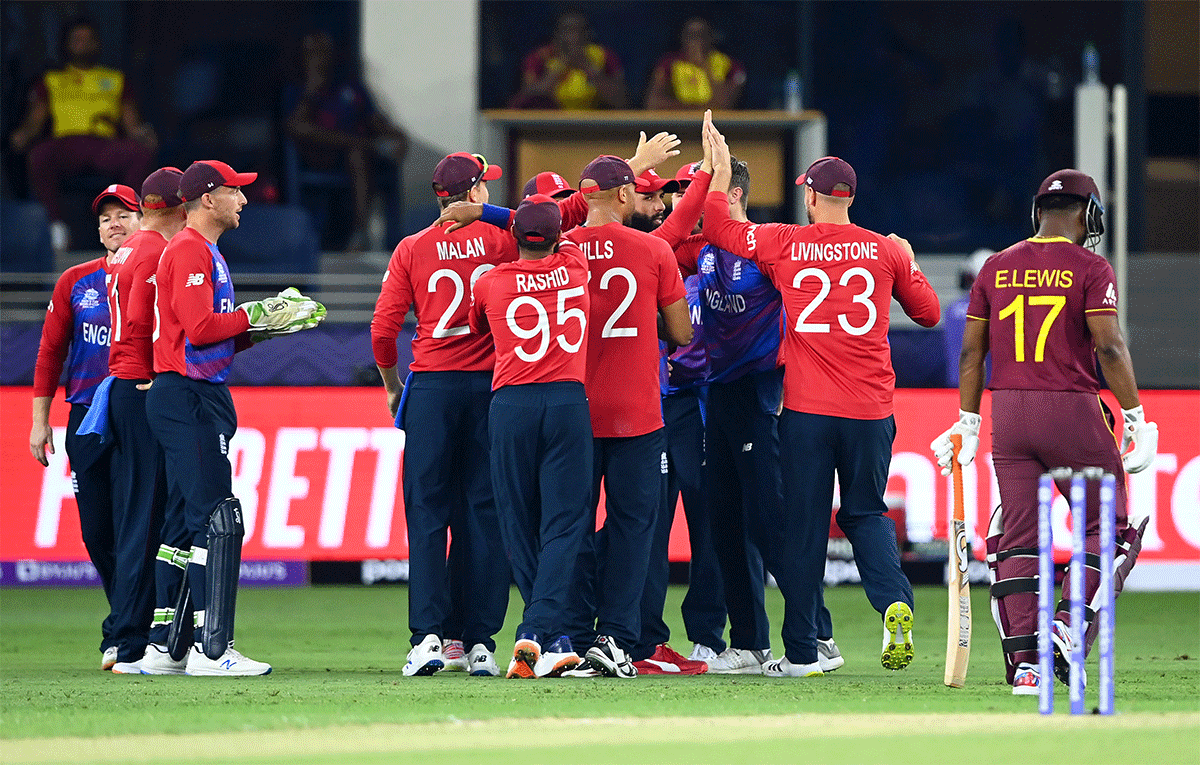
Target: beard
644, 222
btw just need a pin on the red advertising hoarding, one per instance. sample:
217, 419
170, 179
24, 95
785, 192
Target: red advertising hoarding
317, 471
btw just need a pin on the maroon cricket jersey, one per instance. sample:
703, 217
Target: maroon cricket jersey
1036, 297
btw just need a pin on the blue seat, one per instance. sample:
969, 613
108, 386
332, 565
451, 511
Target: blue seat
272, 239
24, 238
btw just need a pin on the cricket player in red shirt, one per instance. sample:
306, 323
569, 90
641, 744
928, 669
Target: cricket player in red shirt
633, 276
447, 479
837, 282
1046, 309
536, 310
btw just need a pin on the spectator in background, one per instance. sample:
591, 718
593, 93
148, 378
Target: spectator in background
337, 128
93, 124
571, 72
697, 75
954, 320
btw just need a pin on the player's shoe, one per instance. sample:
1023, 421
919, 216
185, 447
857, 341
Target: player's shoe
157, 661
526, 653
667, 661
425, 658
109, 658
739, 661
482, 663
701, 652
559, 657
582, 670
828, 655
610, 659
897, 636
784, 668
229, 664
454, 656
1026, 681
1060, 637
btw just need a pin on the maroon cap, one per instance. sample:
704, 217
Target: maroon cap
603, 173
460, 171
1070, 182
650, 182
206, 174
163, 183
826, 173
537, 220
686, 174
124, 195
549, 183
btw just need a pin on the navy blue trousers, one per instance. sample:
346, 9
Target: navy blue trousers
541, 457
193, 422
91, 477
859, 451
448, 485
614, 561
139, 492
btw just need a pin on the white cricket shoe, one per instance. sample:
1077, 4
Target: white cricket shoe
828, 655
557, 658
109, 658
784, 668
701, 652
454, 655
482, 662
229, 664
1064, 648
157, 661
425, 658
739, 661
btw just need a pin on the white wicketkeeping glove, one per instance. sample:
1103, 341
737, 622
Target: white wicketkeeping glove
316, 317
277, 313
1144, 437
967, 427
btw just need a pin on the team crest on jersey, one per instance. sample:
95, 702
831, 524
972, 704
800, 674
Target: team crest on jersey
663, 464
90, 299
222, 277
737, 270
708, 263
1110, 295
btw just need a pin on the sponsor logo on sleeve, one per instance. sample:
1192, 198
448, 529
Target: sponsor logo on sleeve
194, 280
1110, 295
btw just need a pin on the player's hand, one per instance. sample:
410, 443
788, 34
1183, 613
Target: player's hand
967, 427
393, 399
41, 439
293, 295
459, 214
277, 313
720, 148
706, 164
653, 152
1144, 438
904, 245
144, 386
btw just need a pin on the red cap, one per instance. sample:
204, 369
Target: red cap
163, 183
126, 196
603, 173
650, 182
1070, 182
549, 183
460, 171
826, 173
686, 174
538, 220
206, 174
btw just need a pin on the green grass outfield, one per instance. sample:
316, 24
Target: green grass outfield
337, 695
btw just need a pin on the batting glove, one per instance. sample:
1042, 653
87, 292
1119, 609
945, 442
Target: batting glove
967, 427
273, 314
1144, 437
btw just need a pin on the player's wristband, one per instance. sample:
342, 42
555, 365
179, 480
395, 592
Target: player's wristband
500, 217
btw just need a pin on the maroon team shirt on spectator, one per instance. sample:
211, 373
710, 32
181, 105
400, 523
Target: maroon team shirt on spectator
537, 313
131, 303
1036, 297
434, 272
837, 283
633, 274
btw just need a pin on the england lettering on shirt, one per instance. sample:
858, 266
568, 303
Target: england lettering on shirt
1030, 278
96, 334
718, 301
539, 282
834, 251
597, 250
472, 248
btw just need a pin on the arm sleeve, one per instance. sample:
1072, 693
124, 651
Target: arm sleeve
1100, 289
477, 314
679, 224
763, 243
913, 291
139, 303
574, 210
56, 340
194, 304
395, 297
670, 284
687, 254
977, 305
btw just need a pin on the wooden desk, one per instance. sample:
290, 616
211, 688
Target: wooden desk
526, 142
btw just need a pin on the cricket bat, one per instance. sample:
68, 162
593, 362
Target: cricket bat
958, 617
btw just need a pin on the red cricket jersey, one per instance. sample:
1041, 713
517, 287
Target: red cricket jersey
197, 325
1036, 297
632, 275
537, 313
837, 283
434, 272
131, 292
